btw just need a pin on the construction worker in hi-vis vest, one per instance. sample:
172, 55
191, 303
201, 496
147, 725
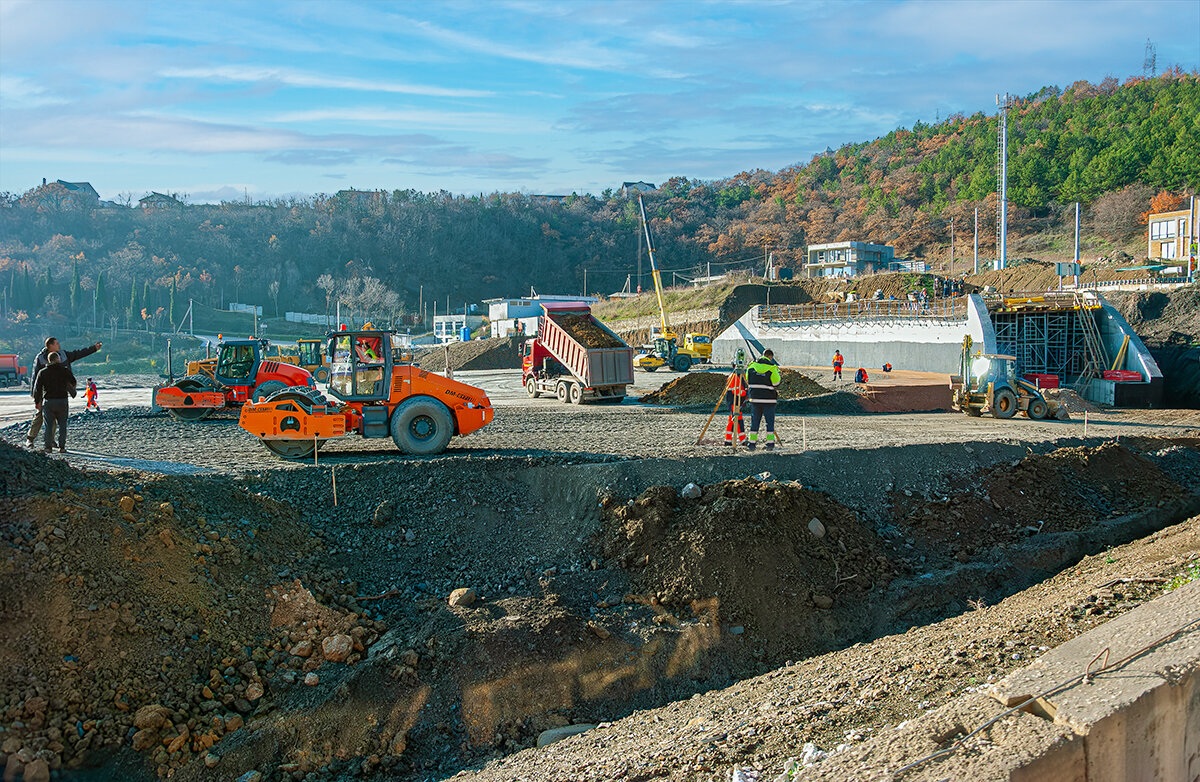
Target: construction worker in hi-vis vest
762, 377
735, 397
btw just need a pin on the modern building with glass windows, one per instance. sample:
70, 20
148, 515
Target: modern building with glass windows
847, 259
1169, 234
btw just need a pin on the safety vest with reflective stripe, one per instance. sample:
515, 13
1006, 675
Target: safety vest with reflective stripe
762, 378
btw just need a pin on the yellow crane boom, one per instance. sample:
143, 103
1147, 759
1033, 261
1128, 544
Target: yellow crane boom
662, 311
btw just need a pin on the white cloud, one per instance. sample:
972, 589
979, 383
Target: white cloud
18, 91
252, 74
428, 119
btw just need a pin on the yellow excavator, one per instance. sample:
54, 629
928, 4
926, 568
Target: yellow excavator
665, 350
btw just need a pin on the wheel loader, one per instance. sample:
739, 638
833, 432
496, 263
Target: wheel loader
988, 383
374, 396
241, 372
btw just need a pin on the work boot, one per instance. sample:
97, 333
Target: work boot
29, 443
729, 442
769, 447
751, 446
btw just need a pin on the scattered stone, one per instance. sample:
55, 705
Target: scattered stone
384, 513
691, 492
254, 691
302, 649
152, 717
311, 679
211, 759
250, 776
37, 770
166, 508
547, 737
127, 504
462, 597
816, 528
336, 648
823, 601
233, 722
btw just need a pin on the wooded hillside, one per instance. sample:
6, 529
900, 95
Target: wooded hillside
1112, 146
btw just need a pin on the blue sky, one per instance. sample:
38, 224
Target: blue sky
218, 99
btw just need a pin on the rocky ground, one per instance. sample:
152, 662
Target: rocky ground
446, 613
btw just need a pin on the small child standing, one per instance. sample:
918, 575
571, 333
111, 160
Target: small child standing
91, 395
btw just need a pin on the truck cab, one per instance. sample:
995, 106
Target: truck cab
311, 355
700, 345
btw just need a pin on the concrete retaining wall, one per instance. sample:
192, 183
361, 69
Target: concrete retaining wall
921, 344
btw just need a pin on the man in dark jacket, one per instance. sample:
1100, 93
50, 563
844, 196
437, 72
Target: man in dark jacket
40, 363
761, 378
54, 384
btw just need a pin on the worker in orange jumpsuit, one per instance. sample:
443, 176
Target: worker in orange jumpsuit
735, 397
837, 364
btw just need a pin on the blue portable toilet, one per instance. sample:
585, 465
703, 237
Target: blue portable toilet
464, 334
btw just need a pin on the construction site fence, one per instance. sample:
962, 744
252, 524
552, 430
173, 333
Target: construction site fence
934, 309
1140, 281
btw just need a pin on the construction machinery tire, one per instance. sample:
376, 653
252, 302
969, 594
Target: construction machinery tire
321, 375
612, 400
1004, 404
192, 383
1037, 409
265, 390
974, 412
531, 388
650, 369
682, 363
562, 392
307, 398
422, 426
576, 394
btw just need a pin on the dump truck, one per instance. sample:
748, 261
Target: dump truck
11, 371
376, 396
575, 357
241, 372
988, 383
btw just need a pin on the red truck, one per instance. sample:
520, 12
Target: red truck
575, 357
11, 371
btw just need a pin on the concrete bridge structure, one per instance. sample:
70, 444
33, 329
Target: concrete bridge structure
1074, 335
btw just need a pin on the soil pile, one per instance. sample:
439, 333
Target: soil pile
1070, 400
1067, 489
585, 330
169, 612
764, 556
498, 353
1169, 325
698, 388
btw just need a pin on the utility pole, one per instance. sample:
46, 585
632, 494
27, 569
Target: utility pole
639, 282
421, 303
191, 317
1002, 160
1191, 275
951, 249
1076, 241
977, 240
585, 281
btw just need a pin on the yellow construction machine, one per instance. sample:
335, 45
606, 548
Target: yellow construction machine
988, 383
665, 350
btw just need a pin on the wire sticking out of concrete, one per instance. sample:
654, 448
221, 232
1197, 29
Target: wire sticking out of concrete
1086, 676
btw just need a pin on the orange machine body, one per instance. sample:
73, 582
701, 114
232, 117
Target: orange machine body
373, 397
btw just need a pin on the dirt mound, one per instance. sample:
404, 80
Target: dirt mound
155, 611
746, 553
584, 329
698, 388
1067, 489
498, 353
1073, 402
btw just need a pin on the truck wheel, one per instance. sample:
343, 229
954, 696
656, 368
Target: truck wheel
531, 388
422, 426
576, 394
561, 392
1037, 409
1004, 404
682, 363
264, 390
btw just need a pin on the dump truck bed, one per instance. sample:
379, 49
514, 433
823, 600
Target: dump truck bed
585, 346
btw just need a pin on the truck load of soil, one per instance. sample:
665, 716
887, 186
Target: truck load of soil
498, 353
698, 388
584, 330
763, 556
